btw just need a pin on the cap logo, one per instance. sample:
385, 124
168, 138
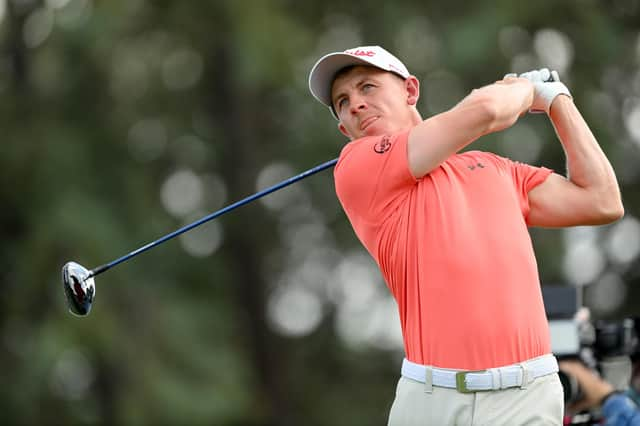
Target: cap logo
358, 52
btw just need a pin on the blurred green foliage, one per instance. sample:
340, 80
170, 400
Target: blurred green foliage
182, 339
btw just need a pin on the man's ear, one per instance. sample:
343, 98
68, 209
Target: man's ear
412, 86
344, 131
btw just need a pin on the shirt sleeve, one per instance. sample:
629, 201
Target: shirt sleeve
619, 410
372, 176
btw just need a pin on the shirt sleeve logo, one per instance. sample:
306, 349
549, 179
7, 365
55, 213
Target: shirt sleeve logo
383, 145
473, 167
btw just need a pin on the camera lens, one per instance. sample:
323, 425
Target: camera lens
570, 387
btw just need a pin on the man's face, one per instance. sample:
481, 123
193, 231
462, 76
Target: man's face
370, 102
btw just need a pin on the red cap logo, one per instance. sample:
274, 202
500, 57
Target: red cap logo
358, 52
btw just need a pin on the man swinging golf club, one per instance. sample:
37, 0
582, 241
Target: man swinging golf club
448, 231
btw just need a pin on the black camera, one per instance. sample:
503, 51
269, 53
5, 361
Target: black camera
616, 338
608, 347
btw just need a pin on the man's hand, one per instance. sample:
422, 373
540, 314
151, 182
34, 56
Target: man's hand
547, 86
593, 387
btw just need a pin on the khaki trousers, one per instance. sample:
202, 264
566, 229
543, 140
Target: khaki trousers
540, 403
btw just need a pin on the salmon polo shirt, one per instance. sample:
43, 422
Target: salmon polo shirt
453, 248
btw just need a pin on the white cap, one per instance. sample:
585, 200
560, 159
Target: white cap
324, 71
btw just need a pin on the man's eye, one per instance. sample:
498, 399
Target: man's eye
367, 87
342, 102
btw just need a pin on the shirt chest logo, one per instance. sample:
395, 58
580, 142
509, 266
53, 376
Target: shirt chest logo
383, 145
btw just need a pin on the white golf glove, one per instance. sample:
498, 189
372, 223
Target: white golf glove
547, 86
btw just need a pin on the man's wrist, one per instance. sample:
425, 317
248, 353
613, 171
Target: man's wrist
604, 399
560, 102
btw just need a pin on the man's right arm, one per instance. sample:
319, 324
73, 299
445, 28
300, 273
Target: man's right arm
486, 110
619, 410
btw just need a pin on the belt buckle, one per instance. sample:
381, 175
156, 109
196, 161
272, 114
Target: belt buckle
461, 384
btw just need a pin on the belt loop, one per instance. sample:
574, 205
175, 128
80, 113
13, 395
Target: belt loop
428, 380
525, 376
502, 384
496, 378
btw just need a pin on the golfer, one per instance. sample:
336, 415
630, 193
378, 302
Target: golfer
448, 230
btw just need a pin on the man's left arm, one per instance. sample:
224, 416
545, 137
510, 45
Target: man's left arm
589, 195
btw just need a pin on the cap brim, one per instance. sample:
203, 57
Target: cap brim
324, 71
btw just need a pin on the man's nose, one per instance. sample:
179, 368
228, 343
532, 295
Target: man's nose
358, 104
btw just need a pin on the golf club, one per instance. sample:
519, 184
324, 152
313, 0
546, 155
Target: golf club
78, 281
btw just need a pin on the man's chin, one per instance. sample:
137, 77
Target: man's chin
374, 130
373, 127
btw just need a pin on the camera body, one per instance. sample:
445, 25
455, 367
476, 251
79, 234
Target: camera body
608, 347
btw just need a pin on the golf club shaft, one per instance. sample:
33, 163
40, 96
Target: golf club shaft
100, 269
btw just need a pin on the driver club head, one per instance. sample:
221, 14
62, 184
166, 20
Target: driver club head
79, 288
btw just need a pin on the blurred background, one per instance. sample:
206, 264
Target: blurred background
124, 120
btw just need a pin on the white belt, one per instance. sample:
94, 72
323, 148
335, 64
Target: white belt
515, 375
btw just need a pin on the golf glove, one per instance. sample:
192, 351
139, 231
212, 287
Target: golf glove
547, 86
